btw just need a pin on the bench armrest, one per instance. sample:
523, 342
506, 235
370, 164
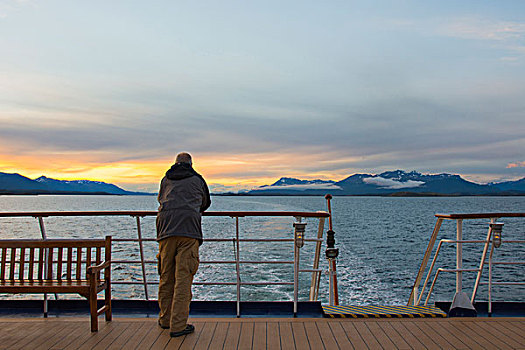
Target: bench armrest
96, 268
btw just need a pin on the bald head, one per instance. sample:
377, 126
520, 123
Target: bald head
183, 157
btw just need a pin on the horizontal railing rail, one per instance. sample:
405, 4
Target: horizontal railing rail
142, 213
298, 215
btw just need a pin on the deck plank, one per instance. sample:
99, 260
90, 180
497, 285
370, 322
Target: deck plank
517, 331
458, 334
299, 335
21, 334
480, 339
123, 338
7, 329
340, 335
493, 329
28, 338
427, 342
428, 329
232, 337
104, 343
259, 336
273, 339
327, 336
189, 341
246, 336
314, 338
94, 338
161, 341
78, 335
491, 341
8, 335
151, 337
406, 335
285, 332
217, 342
206, 335
380, 335
146, 328
450, 337
48, 340
353, 335
394, 336
367, 336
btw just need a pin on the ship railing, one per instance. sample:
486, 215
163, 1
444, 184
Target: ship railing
490, 242
298, 239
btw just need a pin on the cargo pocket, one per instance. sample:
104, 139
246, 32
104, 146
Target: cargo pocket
194, 260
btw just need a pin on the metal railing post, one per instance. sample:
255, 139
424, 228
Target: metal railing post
413, 294
237, 266
46, 253
316, 276
490, 281
482, 262
295, 274
141, 247
459, 255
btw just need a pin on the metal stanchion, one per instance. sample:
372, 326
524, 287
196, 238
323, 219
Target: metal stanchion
331, 255
298, 244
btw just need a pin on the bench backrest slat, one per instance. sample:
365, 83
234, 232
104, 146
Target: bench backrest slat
12, 264
4, 261
69, 263
31, 263
59, 263
88, 260
99, 259
40, 264
79, 264
22, 263
49, 275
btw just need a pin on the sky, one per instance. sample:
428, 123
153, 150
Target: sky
255, 90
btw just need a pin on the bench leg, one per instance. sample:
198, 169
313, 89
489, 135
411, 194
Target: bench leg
93, 308
107, 297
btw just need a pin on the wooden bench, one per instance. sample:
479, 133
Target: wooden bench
59, 266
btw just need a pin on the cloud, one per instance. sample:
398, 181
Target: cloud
219, 188
302, 187
392, 184
483, 29
516, 165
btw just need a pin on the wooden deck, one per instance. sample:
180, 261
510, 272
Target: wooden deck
268, 333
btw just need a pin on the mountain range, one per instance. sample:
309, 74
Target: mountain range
18, 184
389, 183
394, 183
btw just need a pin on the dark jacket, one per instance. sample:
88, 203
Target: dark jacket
183, 196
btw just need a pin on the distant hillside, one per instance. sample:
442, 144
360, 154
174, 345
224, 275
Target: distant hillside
18, 184
389, 183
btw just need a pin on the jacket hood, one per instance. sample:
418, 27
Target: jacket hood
179, 171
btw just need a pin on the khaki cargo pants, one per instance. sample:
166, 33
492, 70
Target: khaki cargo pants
178, 263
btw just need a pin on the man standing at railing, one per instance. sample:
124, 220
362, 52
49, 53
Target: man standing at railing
183, 197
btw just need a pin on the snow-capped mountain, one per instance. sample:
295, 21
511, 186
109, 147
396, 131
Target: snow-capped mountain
391, 182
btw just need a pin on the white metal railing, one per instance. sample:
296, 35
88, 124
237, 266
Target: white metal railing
418, 290
237, 240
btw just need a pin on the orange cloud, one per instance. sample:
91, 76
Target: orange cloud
247, 171
516, 165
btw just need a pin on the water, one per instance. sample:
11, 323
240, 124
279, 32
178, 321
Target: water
381, 243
